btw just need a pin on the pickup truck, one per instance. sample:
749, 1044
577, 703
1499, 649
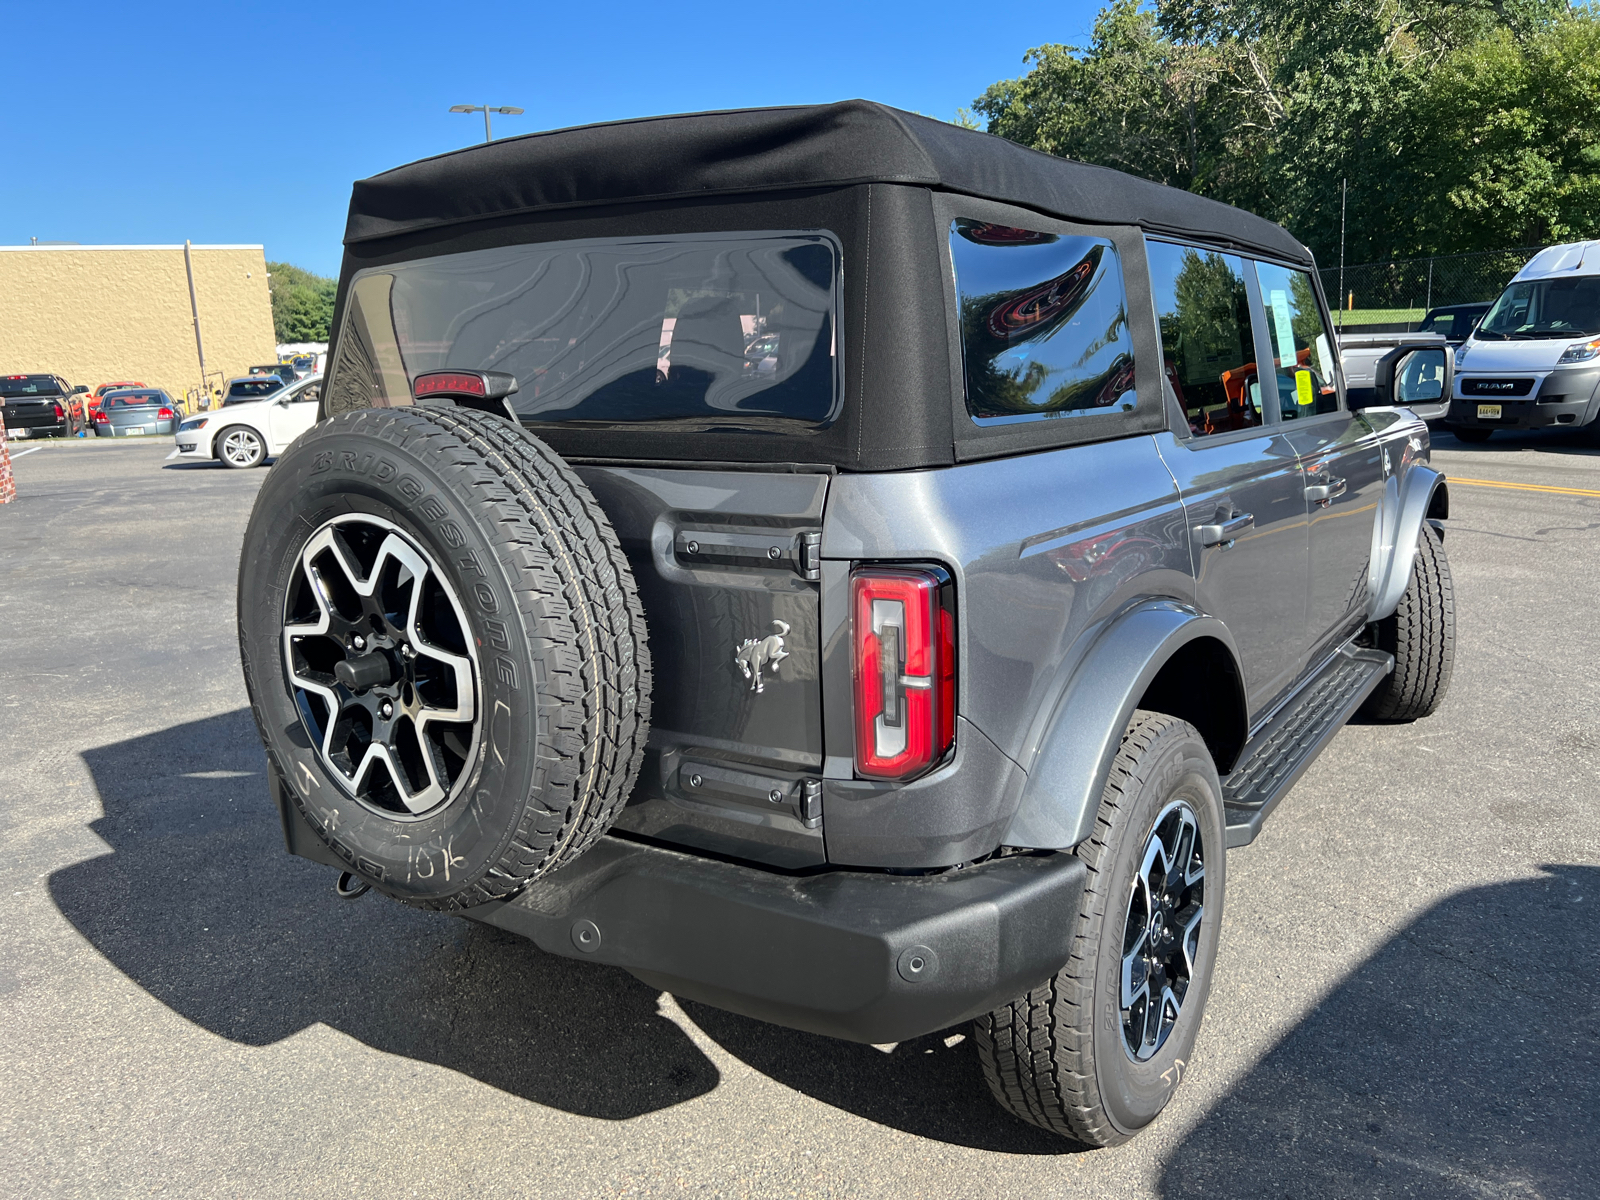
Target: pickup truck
40, 405
839, 567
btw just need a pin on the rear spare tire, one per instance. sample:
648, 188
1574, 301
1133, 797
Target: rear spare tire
444, 650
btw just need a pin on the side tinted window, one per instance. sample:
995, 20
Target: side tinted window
1207, 340
731, 330
1302, 346
1044, 323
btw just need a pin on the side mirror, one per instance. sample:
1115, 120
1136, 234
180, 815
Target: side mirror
1414, 377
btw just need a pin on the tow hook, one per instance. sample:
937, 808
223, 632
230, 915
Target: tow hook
351, 888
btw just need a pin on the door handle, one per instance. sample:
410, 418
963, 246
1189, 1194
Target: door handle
1324, 492
1223, 533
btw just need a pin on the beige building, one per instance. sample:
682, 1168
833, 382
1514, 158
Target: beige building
96, 314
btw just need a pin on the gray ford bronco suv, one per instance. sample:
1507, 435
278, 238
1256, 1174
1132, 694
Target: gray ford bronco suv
840, 567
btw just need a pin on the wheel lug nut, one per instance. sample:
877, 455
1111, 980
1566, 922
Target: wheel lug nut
359, 642
387, 710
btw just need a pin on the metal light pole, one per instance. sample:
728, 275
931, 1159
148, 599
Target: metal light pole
488, 134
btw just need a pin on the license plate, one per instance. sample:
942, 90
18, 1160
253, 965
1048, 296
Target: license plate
16, 435
132, 432
1488, 412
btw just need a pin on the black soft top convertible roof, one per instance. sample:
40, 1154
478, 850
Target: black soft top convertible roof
747, 151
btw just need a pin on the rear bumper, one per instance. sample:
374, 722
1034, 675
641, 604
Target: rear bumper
862, 956
22, 427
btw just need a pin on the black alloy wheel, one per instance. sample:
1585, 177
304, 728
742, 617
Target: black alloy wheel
1161, 935
384, 675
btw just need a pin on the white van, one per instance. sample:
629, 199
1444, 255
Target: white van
1534, 359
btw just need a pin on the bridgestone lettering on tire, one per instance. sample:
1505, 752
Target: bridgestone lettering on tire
444, 649
1095, 1053
1421, 634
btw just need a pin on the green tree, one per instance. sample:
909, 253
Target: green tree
302, 303
1517, 119
1458, 124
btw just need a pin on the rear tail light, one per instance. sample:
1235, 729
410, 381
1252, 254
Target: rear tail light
164, 415
903, 628
101, 417
60, 413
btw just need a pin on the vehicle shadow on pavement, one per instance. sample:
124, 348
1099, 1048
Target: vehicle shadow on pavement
1550, 441
199, 904
1463, 1059
922, 1087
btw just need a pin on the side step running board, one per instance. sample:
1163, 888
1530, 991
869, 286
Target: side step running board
1278, 755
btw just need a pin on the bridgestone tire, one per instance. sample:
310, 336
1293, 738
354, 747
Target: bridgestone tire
562, 672
1056, 1057
1421, 634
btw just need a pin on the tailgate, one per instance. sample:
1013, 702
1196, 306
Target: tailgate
31, 414
728, 565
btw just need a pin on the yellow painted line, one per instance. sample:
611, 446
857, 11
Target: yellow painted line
1522, 487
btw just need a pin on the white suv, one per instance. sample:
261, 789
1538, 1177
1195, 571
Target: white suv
244, 435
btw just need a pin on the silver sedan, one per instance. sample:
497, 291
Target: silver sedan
133, 413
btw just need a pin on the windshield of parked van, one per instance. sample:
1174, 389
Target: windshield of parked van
727, 330
1545, 308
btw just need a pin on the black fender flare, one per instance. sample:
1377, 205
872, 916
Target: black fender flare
1072, 760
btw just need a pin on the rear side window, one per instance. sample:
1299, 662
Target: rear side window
1044, 323
1207, 342
721, 331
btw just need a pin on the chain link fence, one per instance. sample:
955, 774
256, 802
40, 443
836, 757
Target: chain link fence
1397, 294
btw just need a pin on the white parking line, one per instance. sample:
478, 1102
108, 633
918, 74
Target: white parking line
29, 450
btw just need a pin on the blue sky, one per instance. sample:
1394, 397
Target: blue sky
246, 122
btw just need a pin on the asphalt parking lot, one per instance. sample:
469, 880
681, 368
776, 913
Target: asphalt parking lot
1407, 1003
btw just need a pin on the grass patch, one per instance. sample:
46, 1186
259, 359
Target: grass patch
1378, 316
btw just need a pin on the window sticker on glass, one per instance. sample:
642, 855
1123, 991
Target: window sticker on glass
1324, 356
1302, 389
1283, 325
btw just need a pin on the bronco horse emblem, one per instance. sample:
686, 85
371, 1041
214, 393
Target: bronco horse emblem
754, 654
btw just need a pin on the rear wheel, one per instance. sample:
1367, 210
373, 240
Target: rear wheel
1421, 634
241, 447
1472, 435
1095, 1053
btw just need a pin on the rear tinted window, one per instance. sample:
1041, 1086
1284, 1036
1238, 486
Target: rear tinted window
1044, 323
31, 385
134, 399
253, 389
722, 331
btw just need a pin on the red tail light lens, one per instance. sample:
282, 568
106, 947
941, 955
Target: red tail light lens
101, 417
60, 413
164, 415
903, 630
